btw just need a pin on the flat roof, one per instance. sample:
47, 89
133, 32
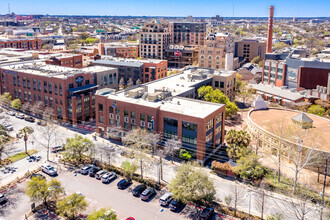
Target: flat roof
277, 91
117, 63
266, 118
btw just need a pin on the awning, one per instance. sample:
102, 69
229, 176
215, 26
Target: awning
276, 97
286, 100
261, 93
269, 95
82, 88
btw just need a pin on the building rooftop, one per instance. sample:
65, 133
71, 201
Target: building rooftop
129, 60
42, 69
278, 91
118, 63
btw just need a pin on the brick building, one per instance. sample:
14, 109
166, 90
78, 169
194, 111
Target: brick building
250, 48
144, 70
69, 91
165, 106
118, 49
68, 60
26, 44
181, 56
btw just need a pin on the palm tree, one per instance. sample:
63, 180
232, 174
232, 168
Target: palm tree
26, 131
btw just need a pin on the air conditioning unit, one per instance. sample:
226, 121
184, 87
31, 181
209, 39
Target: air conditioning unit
118, 117
149, 125
133, 121
126, 119
142, 123
111, 116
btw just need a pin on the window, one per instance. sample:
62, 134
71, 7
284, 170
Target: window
18, 81
50, 87
70, 85
50, 101
39, 85
222, 84
87, 82
34, 84
14, 80
132, 114
218, 119
28, 83
105, 80
101, 107
101, 119
25, 97
209, 125
24, 82
216, 83
55, 88
110, 78
60, 86
45, 86
142, 117
46, 100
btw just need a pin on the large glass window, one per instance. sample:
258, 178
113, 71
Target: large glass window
170, 128
101, 107
34, 84
39, 85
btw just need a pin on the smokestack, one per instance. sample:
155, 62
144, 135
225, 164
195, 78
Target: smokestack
270, 30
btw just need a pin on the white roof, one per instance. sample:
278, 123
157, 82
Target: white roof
277, 91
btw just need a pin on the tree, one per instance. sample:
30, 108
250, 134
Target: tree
237, 195
48, 131
26, 107
16, 104
256, 60
248, 167
192, 184
26, 132
121, 83
109, 152
231, 109
130, 82
72, 205
260, 201
37, 109
138, 140
129, 168
316, 110
171, 147
237, 141
3, 148
276, 216
138, 82
299, 207
5, 99
40, 191
108, 214
76, 147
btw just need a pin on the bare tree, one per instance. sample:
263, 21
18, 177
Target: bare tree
237, 197
121, 83
37, 108
26, 107
130, 82
301, 155
153, 141
48, 131
300, 207
109, 152
260, 201
138, 82
171, 147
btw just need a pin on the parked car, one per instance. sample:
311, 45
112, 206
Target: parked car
106, 178
122, 184
20, 116
206, 214
11, 113
148, 194
99, 174
175, 205
85, 169
38, 175
42, 123
93, 171
29, 119
2, 198
138, 190
8, 127
165, 199
46, 168
56, 149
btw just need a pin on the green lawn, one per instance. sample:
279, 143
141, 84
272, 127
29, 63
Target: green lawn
21, 155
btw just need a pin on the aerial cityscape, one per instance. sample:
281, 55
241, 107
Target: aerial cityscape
138, 110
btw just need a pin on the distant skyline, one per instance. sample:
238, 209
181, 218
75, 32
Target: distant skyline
196, 8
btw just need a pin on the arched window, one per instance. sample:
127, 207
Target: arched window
202, 57
210, 57
218, 58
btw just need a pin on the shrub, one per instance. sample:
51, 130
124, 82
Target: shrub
221, 166
184, 154
316, 110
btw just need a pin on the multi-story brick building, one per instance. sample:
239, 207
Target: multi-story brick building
26, 44
68, 60
144, 70
118, 49
165, 106
181, 56
213, 53
250, 48
154, 38
69, 91
189, 33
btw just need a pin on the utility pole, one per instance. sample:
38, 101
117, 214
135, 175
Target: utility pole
324, 183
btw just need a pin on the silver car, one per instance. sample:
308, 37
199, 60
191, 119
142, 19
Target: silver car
106, 178
20, 116
99, 174
46, 168
2, 198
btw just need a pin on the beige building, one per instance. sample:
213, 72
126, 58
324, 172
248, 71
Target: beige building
213, 53
154, 38
250, 48
106, 77
225, 81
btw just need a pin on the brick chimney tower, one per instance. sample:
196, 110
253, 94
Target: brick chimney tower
270, 30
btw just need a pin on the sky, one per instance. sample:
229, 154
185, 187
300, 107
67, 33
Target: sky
196, 8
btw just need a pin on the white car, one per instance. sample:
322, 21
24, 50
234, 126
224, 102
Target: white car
106, 178
20, 116
11, 113
48, 169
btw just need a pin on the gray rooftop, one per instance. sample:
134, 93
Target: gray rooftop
302, 118
277, 91
117, 63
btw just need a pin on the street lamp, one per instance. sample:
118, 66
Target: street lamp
249, 195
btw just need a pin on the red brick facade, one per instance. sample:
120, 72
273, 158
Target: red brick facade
160, 71
26, 44
74, 61
127, 52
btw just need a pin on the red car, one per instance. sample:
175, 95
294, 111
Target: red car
130, 218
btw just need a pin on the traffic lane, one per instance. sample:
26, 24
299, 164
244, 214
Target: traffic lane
101, 195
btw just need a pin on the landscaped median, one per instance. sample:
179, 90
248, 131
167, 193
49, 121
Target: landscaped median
17, 157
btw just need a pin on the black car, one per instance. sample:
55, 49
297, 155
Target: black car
175, 205
93, 171
138, 190
40, 176
206, 214
122, 184
148, 194
29, 119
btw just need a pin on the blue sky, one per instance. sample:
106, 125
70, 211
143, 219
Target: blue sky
207, 8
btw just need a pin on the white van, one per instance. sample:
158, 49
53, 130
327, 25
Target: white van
165, 199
